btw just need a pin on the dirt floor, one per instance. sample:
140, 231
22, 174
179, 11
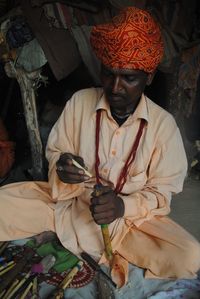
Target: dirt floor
185, 208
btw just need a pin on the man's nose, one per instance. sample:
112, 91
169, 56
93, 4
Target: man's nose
116, 84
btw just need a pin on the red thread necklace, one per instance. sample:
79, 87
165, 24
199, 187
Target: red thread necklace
131, 157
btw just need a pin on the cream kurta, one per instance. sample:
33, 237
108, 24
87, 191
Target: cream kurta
143, 236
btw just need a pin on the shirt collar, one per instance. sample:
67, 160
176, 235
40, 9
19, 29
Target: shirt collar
140, 112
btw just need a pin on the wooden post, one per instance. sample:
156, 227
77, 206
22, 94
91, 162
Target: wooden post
26, 82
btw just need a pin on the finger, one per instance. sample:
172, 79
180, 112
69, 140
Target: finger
98, 209
65, 156
70, 168
97, 201
101, 189
104, 218
63, 165
101, 200
71, 178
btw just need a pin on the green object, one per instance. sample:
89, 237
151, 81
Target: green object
64, 258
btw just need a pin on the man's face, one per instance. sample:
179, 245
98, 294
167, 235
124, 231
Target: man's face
123, 88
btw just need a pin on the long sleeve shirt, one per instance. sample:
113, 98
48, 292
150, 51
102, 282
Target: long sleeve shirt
158, 171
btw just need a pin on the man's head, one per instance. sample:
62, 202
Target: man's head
123, 88
130, 48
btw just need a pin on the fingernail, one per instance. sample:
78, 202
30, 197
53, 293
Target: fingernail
60, 168
81, 172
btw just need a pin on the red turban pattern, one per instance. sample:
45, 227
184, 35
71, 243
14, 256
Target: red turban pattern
132, 40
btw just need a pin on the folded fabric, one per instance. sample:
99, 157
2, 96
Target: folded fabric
64, 258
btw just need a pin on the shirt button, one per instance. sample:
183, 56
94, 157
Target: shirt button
117, 133
105, 170
113, 152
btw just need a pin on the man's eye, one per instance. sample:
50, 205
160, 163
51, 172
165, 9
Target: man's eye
129, 78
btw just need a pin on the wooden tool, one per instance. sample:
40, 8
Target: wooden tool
6, 269
75, 163
4, 245
11, 275
26, 291
59, 292
18, 286
104, 229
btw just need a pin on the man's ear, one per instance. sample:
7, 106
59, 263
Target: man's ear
150, 78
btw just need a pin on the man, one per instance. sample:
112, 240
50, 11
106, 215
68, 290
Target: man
131, 146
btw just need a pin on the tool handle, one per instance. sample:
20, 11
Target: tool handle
104, 228
107, 241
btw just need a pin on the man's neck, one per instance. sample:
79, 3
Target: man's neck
120, 119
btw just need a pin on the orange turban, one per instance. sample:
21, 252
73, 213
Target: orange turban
132, 40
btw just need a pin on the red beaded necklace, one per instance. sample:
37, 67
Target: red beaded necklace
124, 172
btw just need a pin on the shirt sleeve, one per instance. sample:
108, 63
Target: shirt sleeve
165, 176
61, 140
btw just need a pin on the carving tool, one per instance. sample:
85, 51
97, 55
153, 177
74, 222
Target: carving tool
11, 288
35, 289
75, 163
6, 269
6, 265
2, 293
104, 228
64, 284
18, 286
59, 292
43, 267
3, 247
95, 266
11, 275
26, 291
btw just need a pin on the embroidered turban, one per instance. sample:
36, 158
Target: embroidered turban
132, 40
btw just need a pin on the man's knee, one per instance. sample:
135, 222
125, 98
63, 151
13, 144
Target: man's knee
190, 257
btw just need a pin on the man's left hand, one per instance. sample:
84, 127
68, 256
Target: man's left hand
106, 207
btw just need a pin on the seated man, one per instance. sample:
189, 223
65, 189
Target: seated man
131, 146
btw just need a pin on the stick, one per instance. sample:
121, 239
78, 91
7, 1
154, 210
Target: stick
104, 229
64, 284
6, 265
21, 282
27, 290
7, 269
3, 246
11, 275
59, 292
107, 241
13, 285
75, 163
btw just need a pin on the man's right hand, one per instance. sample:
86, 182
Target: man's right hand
67, 172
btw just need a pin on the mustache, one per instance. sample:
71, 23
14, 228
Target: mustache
112, 94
